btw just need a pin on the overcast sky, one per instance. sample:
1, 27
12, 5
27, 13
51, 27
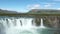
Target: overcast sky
26, 5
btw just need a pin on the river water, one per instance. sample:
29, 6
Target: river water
22, 25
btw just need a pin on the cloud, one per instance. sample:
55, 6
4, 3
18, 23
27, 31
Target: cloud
58, 8
49, 5
34, 6
40, 6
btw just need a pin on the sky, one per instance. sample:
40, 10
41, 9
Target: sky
26, 5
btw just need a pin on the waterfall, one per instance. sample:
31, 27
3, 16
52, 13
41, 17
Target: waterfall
20, 25
41, 24
17, 25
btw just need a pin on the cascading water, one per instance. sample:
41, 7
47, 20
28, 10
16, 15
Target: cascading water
41, 24
18, 25
14, 25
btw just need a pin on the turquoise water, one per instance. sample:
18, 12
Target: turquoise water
46, 31
39, 31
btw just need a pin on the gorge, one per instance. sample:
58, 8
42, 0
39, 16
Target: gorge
33, 22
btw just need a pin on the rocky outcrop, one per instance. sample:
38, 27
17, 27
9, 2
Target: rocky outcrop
49, 21
52, 21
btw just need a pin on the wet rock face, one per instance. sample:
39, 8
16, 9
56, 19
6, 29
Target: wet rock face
1, 29
37, 21
49, 21
53, 21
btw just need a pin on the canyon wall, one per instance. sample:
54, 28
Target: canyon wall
49, 21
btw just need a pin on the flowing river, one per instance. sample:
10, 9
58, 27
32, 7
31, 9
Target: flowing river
22, 25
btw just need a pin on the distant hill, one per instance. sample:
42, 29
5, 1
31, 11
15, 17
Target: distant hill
33, 11
44, 11
7, 12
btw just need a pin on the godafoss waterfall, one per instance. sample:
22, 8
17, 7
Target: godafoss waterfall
23, 25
